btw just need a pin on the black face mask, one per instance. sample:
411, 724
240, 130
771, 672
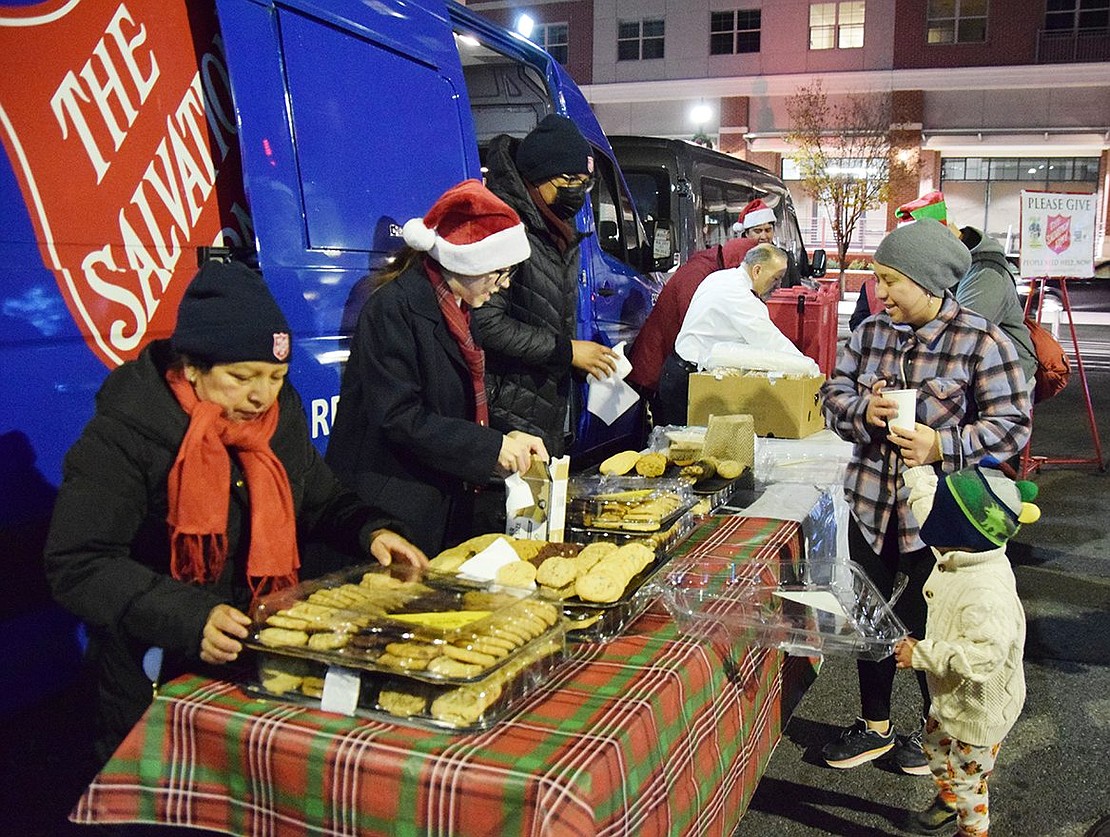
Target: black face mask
568, 200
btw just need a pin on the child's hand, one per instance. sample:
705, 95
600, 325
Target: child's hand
903, 652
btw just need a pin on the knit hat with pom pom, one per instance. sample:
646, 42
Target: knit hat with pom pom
470, 231
979, 509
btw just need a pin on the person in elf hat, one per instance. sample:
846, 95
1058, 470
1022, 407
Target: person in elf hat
971, 402
188, 493
757, 222
412, 431
974, 635
529, 329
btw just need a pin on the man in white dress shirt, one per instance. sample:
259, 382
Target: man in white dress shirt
728, 307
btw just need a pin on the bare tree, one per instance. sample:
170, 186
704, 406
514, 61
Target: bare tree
845, 155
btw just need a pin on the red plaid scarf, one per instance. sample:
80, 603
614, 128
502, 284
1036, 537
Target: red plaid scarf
457, 318
199, 489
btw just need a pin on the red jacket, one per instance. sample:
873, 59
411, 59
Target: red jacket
656, 338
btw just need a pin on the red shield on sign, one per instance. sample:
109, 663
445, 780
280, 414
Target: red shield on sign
281, 345
1057, 234
121, 132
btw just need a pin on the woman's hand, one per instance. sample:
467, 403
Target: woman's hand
903, 652
919, 446
593, 358
517, 449
219, 642
880, 409
387, 546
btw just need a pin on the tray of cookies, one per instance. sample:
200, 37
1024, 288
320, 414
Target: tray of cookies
598, 583
394, 620
627, 504
458, 707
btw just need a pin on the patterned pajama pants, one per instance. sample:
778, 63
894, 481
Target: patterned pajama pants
961, 771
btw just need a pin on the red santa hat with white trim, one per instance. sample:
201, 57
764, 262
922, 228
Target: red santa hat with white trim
470, 231
756, 213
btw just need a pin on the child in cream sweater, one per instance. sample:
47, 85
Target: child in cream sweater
974, 635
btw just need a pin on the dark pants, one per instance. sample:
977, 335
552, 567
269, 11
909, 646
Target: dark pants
876, 678
672, 400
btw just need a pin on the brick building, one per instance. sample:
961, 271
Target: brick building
1002, 95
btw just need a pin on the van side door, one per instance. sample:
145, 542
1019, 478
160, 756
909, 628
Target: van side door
352, 120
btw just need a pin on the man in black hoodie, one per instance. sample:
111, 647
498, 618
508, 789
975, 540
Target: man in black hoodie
529, 330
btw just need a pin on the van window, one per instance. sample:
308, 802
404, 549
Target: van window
721, 204
651, 192
614, 220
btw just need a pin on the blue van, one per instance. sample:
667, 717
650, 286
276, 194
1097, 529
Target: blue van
143, 136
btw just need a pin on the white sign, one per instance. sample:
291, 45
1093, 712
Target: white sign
1057, 234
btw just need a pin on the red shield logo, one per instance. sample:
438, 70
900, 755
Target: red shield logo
1057, 234
281, 345
121, 132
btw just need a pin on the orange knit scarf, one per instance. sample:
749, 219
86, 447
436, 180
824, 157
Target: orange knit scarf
199, 489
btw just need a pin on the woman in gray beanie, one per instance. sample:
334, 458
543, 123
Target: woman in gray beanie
971, 401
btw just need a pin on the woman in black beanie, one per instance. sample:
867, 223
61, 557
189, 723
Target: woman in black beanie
189, 492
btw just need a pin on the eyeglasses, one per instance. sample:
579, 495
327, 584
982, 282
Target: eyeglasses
500, 278
567, 181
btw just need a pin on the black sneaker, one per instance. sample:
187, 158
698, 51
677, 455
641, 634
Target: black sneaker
937, 817
857, 745
909, 756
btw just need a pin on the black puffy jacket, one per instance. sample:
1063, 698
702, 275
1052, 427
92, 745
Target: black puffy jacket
108, 556
526, 329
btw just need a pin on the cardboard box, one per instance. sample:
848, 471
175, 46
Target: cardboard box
782, 406
536, 508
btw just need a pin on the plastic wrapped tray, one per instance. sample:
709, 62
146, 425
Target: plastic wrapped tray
468, 707
776, 606
639, 505
423, 626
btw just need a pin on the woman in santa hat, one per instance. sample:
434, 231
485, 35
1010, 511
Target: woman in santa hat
412, 430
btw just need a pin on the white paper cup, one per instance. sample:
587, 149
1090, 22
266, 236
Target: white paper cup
907, 407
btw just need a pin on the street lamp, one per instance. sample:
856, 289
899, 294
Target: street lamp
525, 25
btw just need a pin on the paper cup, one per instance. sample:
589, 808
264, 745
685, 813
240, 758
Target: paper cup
907, 407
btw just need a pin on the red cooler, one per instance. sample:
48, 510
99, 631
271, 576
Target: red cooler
809, 319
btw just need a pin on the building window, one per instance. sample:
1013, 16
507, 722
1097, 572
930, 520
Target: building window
734, 32
1044, 171
639, 40
1071, 16
957, 21
554, 37
838, 25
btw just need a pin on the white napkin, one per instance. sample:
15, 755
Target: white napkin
610, 398
484, 565
518, 493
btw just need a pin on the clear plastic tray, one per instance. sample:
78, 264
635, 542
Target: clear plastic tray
396, 620
469, 707
638, 505
778, 606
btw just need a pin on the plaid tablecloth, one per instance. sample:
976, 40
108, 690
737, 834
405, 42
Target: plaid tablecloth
645, 734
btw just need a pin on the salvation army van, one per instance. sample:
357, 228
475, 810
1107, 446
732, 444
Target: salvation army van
143, 136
